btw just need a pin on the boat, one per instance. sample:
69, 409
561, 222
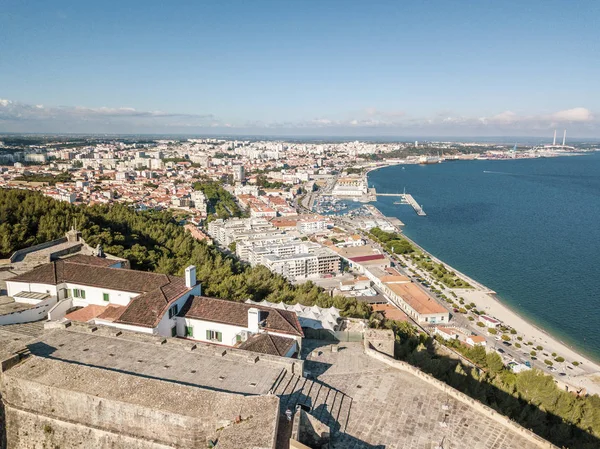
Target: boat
426, 160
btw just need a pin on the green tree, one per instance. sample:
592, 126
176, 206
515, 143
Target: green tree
494, 363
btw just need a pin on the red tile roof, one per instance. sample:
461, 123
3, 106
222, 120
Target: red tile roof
157, 291
236, 314
367, 258
86, 313
266, 343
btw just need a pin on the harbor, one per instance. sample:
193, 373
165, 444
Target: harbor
406, 198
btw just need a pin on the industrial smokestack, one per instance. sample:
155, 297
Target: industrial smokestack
564, 137
554, 141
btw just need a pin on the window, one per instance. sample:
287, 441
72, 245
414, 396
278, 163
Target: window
174, 331
105, 296
189, 331
214, 336
77, 293
82, 294
173, 310
69, 293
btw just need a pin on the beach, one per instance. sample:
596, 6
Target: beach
586, 375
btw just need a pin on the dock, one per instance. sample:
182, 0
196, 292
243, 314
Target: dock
406, 198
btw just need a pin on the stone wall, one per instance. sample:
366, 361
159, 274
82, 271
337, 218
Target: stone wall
483, 409
28, 430
51, 404
2, 425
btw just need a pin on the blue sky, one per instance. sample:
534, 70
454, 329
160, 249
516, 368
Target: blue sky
301, 67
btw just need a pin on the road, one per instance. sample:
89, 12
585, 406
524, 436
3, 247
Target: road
508, 352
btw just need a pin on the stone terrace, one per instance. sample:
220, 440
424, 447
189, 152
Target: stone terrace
159, 358
393, 409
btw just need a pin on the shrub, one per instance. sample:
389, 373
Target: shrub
575, 364
533, 353
548, 362
480, 324
559, 359
529, 343
554, 354
513, 332
471, 318
492, 331
505, 338
539, 348
520, 338
518, 345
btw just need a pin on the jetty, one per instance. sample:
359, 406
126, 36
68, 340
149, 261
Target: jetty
406, 198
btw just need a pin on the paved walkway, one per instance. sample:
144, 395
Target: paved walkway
392, 409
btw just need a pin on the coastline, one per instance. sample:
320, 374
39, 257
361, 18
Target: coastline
489, 301
587, 375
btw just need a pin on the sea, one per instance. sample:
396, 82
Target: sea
529, 229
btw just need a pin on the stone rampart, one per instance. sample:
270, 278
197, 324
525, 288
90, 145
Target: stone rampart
454, 393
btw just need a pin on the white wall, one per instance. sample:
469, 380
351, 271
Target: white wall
166, 323
200, 327
60, 309
93, 295
37, 313
13, 288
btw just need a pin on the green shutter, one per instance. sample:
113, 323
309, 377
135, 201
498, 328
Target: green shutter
174, 331
105, 296
189, 331
208, 335
82, 294
219, 336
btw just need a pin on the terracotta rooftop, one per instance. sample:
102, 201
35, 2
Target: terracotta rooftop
390, 312
156, 291
95, 272
417, 299
266, 343
236, 314
86, 313
112, 312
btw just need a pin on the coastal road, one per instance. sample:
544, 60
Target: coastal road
508, 352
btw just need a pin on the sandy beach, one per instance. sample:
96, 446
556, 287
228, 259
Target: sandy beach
586, 375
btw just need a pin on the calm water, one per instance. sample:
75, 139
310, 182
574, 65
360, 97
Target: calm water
528, 229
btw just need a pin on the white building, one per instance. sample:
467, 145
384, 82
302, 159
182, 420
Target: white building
127, 299
247, 326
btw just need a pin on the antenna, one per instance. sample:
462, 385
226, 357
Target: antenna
554, 141
564, 137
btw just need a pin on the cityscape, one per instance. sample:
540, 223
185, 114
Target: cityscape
260, 280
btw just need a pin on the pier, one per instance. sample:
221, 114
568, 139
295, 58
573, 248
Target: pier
406, 198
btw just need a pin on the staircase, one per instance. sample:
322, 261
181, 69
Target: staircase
328, 405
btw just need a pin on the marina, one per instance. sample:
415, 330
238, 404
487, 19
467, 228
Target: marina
406, 198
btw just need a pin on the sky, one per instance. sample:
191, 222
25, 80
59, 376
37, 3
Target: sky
306, 67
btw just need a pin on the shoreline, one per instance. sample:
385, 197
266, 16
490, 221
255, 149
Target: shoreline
491, 303
488, 301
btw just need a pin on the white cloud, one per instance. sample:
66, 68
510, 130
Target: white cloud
74, 117
573, 115
21, 117
505, 117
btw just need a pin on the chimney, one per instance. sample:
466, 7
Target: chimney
253, 319
190, 276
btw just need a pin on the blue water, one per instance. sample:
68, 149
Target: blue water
528, 229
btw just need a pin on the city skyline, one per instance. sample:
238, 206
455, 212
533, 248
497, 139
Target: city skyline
432, 69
